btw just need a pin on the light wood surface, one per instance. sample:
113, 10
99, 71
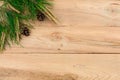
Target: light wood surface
80, 67
86, 26
85, 45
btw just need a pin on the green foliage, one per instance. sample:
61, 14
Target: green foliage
9, 27
13, 13
29, 8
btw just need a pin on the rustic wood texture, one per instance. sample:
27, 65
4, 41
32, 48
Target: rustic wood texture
86, 26
76, 66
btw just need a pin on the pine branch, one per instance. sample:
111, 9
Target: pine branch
16, 13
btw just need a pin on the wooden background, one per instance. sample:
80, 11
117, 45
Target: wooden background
86, 26
85, 43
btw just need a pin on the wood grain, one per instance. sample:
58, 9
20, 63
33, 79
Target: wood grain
76, 66
85, 45
86, 26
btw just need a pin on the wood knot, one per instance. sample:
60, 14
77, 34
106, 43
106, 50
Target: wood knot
56, 36
114, 9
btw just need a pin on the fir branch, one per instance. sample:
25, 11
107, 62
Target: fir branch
14, 13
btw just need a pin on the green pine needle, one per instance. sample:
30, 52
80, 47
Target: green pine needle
14, 13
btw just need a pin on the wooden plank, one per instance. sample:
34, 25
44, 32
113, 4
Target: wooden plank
86, 26
50, 66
